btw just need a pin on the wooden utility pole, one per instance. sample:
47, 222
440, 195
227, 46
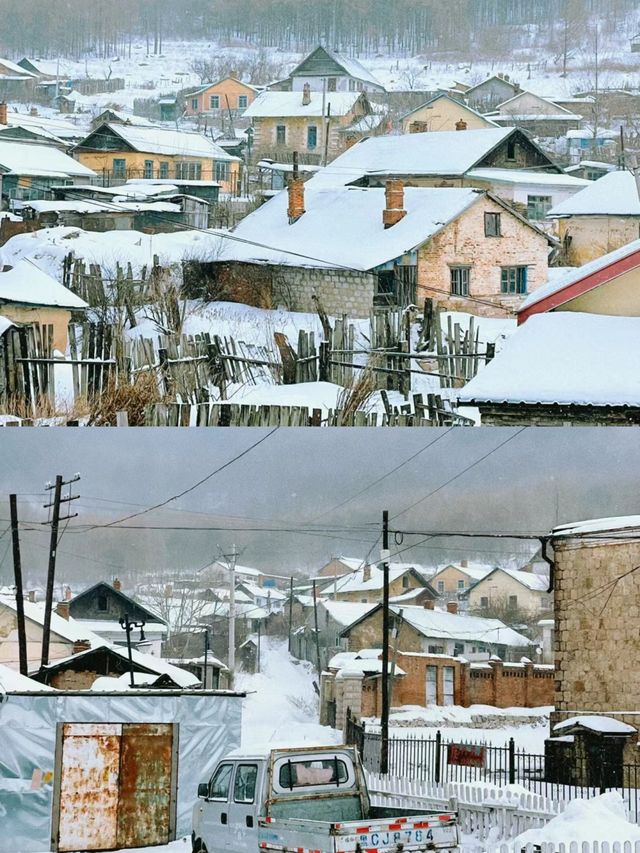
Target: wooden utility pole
17, 573
317, 634
232, 616
55, 505
384, 717
290, 610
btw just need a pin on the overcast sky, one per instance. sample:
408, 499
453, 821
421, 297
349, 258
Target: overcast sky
301, 495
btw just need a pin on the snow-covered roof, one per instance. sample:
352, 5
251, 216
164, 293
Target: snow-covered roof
464, 108
629, 524
5, 324
264, 591
595, 723
67, 629
12, 682
84, 207
454, 626
564, 358
343, 226
475, 571
615, 194
539, 99
536, 583
32, 159
158, 665
98, 626
162, 140
367, 666
522, 176
562, 280
346, 612
26, 284
290, 104
351, 66
364, 580
446, 153
59, 127
16, 69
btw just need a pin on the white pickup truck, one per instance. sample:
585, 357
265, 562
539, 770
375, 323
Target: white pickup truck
308, 800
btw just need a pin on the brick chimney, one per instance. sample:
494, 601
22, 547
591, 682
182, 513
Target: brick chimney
306, 95
429, 604
68, 595
464, 564
296, 200
394, 210
62, 609
33, 112
3, 112
366, 573
461, 124
452, 607
117, 584
81, 646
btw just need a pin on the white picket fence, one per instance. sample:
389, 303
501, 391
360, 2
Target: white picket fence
484, 811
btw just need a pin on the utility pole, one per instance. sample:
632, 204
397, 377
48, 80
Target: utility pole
232, 615
384, 717
317, 635
17, 573
206, 651
290, 611
57, 502
258, 655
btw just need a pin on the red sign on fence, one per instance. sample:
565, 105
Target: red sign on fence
466, 755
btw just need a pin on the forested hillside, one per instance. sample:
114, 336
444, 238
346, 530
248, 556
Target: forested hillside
107, 27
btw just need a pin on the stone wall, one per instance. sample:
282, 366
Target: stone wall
340, 291
514, 414
597, 642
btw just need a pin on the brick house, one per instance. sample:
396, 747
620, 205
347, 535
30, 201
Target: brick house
538, 116
366, 583
452, 580
325, 68
464, 248
508, 590
228, 95
443, 113
441, 632
308, 122
486, 96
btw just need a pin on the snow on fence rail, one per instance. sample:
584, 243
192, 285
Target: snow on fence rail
501, 813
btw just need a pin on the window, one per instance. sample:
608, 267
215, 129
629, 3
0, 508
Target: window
214, 102
493, 225
440, 586
244, 789
305, 774
538, 206
460, 584
514, 280
484, 602
194, 104
187, 171
432, 685
281, 134
448, 692
352, 85
164, 170
119, 168
405, 581
458, 649
102, 602
332, 84
220, 783
312, 137
435, 650
243, 102
148, 169
222, 172
513, 602
511, 149
460, 281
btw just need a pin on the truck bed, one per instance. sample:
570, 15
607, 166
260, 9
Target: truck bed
377, 834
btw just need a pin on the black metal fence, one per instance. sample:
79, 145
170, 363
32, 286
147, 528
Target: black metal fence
440, 761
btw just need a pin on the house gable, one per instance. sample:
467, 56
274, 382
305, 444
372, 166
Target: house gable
526, 103
102, 601
441, 113
104, 138
517, 151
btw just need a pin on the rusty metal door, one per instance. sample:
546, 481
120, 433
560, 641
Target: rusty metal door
115, 786
146, 808
88, 785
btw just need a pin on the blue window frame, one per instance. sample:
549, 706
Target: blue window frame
514, 280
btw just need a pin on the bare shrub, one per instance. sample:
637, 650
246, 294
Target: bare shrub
133, 399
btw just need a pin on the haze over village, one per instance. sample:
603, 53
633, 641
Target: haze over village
351, 290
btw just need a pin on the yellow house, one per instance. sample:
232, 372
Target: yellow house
227, 95
444, 113
456, 578
120, 152
28, 295
366, 584
507, 590
310, 123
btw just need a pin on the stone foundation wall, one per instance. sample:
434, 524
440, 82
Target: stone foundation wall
340, 291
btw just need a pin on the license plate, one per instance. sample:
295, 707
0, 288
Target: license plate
383, 839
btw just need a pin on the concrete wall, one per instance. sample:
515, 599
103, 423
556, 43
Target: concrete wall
595, 236
463, 243
620, 297
597, 641
340, 291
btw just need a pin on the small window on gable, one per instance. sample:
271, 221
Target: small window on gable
493, 225
484, 602
511, 149
461, 584
538, 206
405, 581
513, 601
102, 602
281, 134
440, 586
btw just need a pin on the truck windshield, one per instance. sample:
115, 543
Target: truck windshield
303, 774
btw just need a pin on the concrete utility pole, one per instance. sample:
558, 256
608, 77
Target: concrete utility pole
57, 502
17, 573
384, 716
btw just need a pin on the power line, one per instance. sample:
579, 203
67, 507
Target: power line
459, 474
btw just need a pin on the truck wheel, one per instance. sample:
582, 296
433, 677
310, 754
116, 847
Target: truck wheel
198, 846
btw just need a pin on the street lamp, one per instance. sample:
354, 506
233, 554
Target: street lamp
128, 626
